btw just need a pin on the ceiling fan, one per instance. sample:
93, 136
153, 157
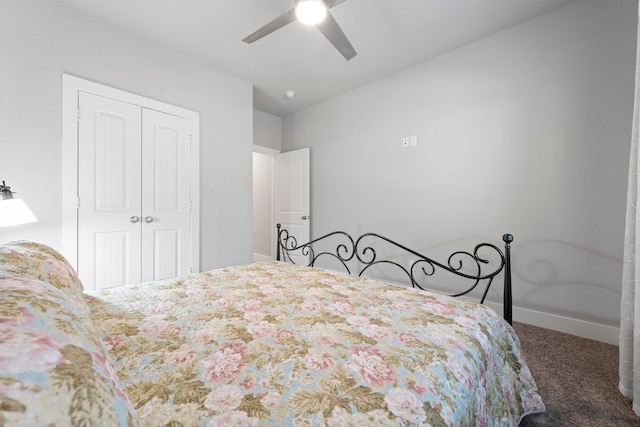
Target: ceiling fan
323, 22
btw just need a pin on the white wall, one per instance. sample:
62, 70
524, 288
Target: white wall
526, 131
41, 39
267, 130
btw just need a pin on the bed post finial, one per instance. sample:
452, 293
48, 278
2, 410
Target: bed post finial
278, 242
508, 303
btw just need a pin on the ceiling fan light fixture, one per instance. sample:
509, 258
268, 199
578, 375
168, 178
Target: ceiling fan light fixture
311, 12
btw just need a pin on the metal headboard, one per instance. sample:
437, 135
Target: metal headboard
478, 269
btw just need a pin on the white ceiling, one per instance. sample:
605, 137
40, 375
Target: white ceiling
389, 35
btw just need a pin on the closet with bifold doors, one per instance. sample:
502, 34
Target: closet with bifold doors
135, 193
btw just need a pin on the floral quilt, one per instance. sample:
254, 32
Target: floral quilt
54, 368
282, 345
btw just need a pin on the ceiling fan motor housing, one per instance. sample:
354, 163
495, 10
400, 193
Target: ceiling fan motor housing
311, 12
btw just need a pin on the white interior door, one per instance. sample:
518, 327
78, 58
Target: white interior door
292, 195
166, 202
109, 192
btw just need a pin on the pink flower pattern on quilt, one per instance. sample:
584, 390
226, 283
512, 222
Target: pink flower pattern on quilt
277, 344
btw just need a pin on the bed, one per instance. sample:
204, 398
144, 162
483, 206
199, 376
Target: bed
272, 343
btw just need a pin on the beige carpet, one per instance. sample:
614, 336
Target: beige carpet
577, 378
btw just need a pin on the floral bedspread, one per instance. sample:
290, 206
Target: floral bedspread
278, 344
54, 368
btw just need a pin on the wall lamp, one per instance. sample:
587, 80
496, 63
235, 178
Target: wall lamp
13, 211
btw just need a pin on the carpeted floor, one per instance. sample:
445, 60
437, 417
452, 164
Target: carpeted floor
577, 378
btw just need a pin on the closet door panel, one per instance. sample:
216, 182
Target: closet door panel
111, 259
109, 192
166, 198
166, 246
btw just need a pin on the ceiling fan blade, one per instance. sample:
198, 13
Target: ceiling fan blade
332, 31
282, 20
332, 3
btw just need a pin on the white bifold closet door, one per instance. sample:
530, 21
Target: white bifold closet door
133, 190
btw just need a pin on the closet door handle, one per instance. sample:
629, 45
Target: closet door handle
134, 219
148, 219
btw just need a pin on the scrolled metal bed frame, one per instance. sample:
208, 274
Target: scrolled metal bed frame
476, 268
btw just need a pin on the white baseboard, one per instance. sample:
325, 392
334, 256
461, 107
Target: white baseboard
581, 328
262, 258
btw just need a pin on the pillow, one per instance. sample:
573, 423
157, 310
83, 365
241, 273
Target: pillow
54, 368
41, 262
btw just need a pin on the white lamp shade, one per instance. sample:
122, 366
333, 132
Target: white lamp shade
15, 212
311, 12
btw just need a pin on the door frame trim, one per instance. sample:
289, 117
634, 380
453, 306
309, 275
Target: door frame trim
71, 85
